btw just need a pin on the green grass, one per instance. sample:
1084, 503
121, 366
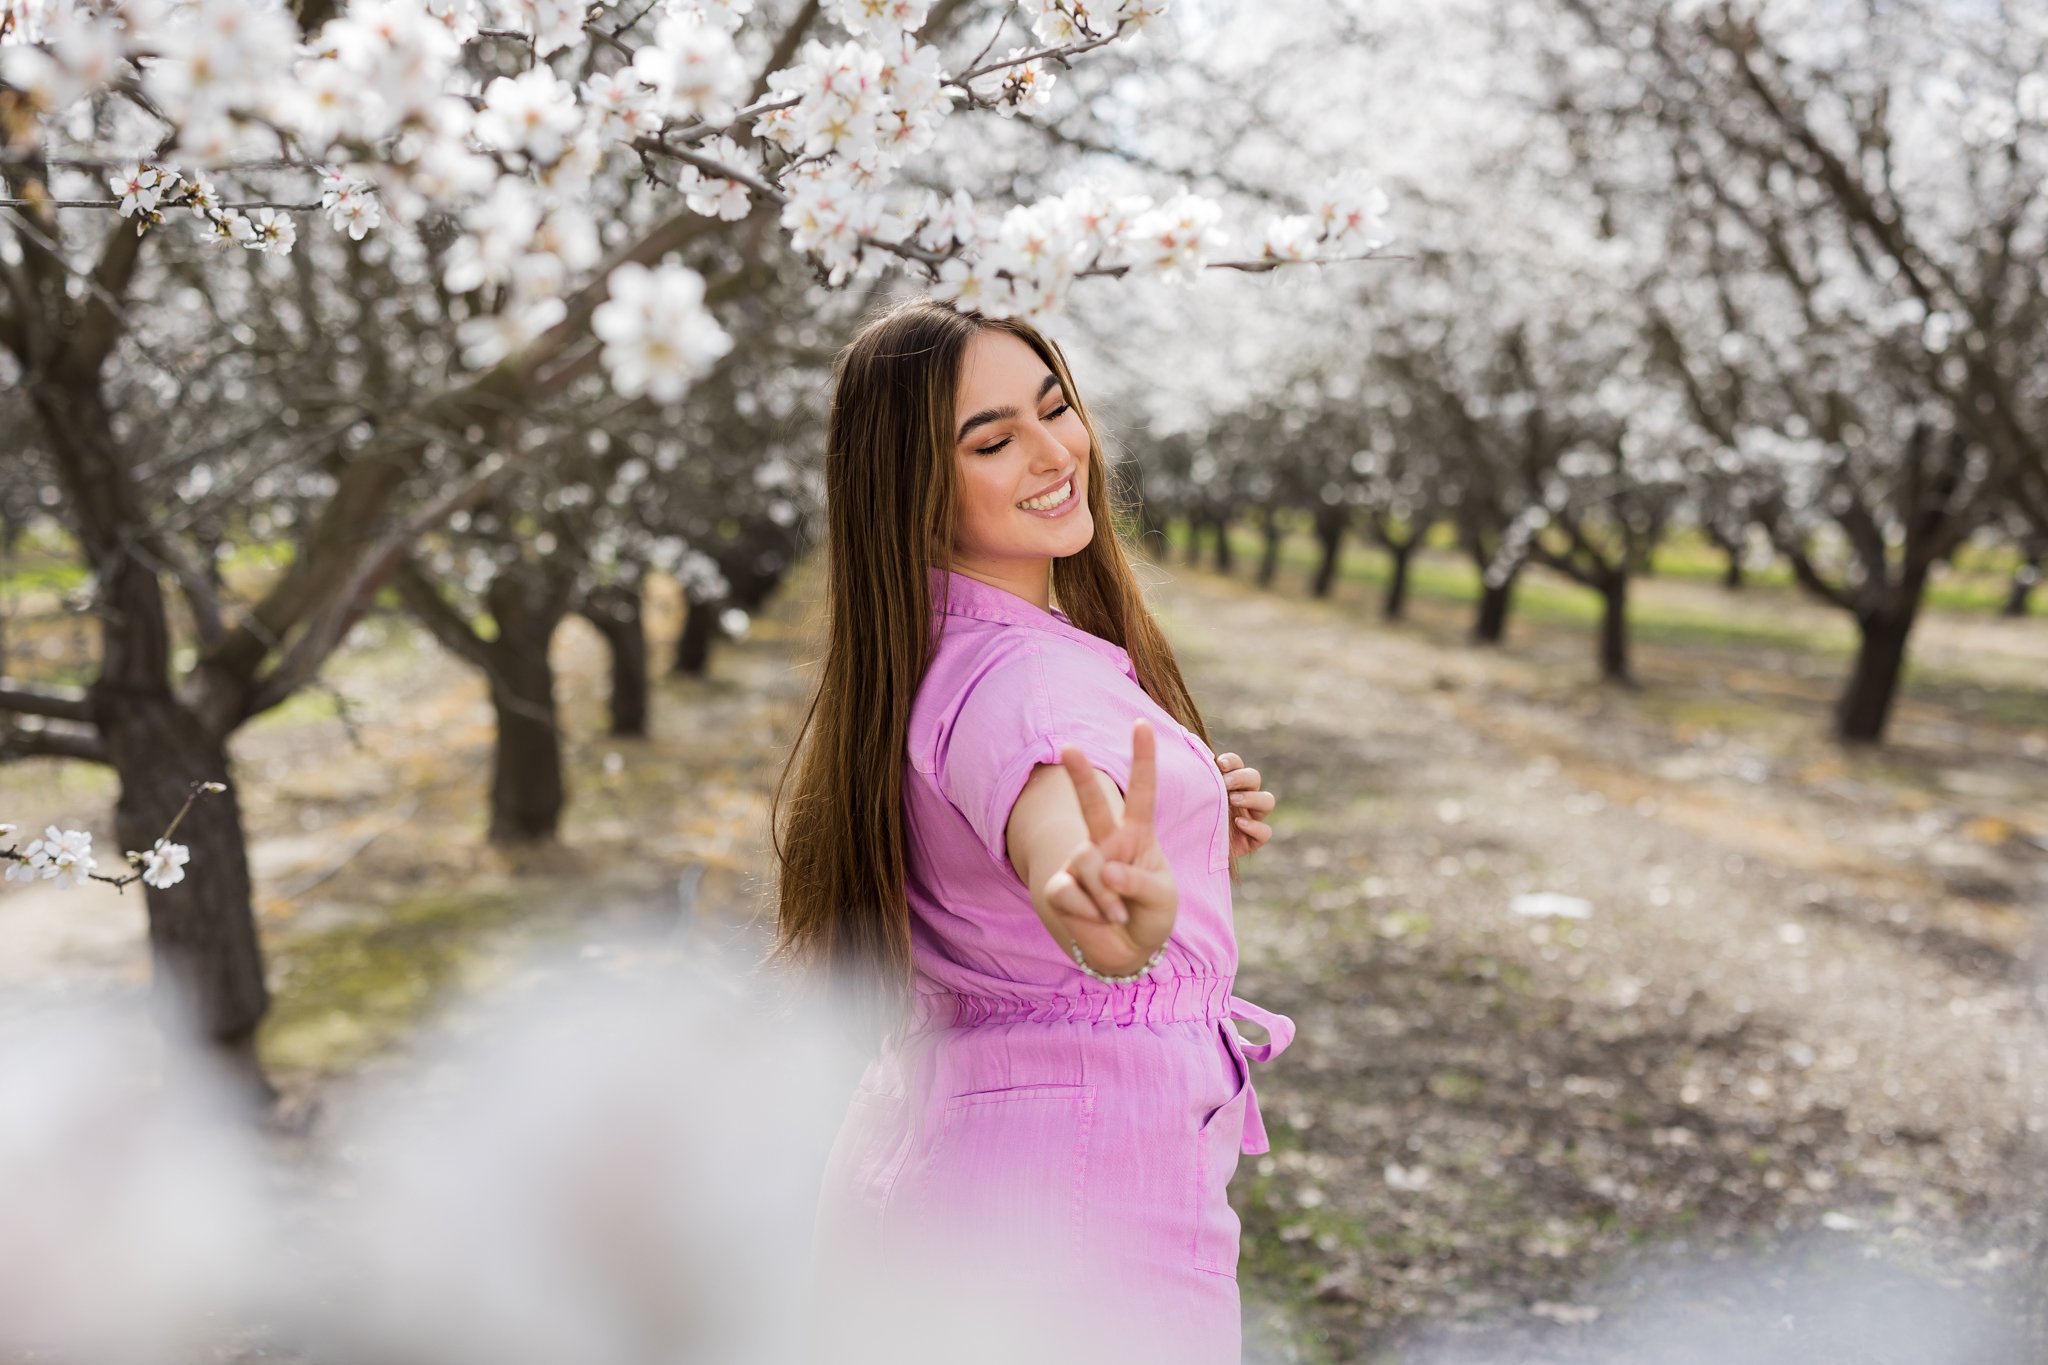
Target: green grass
1440, 573
1545, 599
342, 995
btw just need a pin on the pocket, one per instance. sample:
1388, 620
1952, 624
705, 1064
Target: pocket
1217, 1141
1219, 832
1008, 1166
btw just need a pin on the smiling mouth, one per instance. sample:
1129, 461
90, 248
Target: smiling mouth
1045, 502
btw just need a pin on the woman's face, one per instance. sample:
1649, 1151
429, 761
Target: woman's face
1016, 438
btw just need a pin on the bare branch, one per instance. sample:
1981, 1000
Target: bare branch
28, 699
302, 662
40, 741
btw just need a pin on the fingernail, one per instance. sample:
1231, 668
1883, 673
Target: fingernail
1244, 820
1118, 913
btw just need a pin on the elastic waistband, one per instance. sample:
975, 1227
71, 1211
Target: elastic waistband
1155, 1000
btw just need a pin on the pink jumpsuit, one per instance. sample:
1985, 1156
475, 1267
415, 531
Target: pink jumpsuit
1030, 1104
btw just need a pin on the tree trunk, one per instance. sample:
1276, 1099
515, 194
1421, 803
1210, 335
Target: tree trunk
1194, 546
528, 790
1864, 708
614, 609
1330, 521
1614, 628
699, 633
1490, 625
207, 979
206, 959
2024, 578
1269, 555
1394, 605
1226, 558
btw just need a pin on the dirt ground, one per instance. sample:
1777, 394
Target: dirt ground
1794, 1021
1785, 1052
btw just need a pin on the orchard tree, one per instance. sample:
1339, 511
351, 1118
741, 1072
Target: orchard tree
1858, 320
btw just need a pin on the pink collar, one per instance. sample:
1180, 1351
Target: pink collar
955, 594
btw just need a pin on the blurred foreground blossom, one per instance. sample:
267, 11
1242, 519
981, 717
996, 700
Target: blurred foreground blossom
613, 1158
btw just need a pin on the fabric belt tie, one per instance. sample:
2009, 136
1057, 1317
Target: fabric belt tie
1280, 1032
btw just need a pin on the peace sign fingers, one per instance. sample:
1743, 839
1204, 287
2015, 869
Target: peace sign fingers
1140, 799
1094, 807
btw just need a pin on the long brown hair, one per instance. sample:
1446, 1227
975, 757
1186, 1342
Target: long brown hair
890, 502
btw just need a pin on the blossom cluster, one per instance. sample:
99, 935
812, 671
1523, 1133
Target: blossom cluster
65, 857
148, 190
381, 104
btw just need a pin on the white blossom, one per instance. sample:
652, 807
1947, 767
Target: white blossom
266, 230
1018, 87
950, 223
695, 71
554, 23
164, 864
1291, 237
715, 196
1176, 239
62, 856
622, 102
884, 16
138, 187
488, 339
657, 334
349, 202
1351, 210
534, 112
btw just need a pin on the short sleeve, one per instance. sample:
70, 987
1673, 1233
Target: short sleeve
1016, 714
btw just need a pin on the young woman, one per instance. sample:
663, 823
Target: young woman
1004, 838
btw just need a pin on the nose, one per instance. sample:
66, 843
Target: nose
1048, 453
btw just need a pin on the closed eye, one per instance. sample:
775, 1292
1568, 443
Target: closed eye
1054, 415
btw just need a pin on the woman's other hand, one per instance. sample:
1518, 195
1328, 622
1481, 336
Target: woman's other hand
1249, 806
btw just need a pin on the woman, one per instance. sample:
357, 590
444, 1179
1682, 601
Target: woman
1007, 842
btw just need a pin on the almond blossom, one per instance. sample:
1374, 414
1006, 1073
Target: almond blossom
657, 334
164, 864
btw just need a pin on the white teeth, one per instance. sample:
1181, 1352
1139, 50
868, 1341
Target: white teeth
1052, 499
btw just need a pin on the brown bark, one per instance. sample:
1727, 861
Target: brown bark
1269, 553
1394, 603
614, 609
699, 633
1614, 665
1329, 525
1864, 709
1490, 623
528, 787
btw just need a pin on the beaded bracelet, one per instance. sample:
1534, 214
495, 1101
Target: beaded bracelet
1074, 951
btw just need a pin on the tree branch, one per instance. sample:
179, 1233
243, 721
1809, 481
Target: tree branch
40, 741
321, 635
25, 699
433, 611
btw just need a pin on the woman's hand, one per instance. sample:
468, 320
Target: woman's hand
1115, 895
1249, 805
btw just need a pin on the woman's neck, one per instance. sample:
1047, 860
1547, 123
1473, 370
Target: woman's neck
1030, 579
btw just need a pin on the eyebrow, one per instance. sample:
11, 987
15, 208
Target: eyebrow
987, 415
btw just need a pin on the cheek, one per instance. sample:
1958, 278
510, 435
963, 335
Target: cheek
986, 492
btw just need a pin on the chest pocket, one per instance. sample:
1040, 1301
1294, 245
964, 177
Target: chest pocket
1217, 802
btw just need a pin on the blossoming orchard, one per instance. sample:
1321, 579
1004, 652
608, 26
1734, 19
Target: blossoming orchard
1588, 457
